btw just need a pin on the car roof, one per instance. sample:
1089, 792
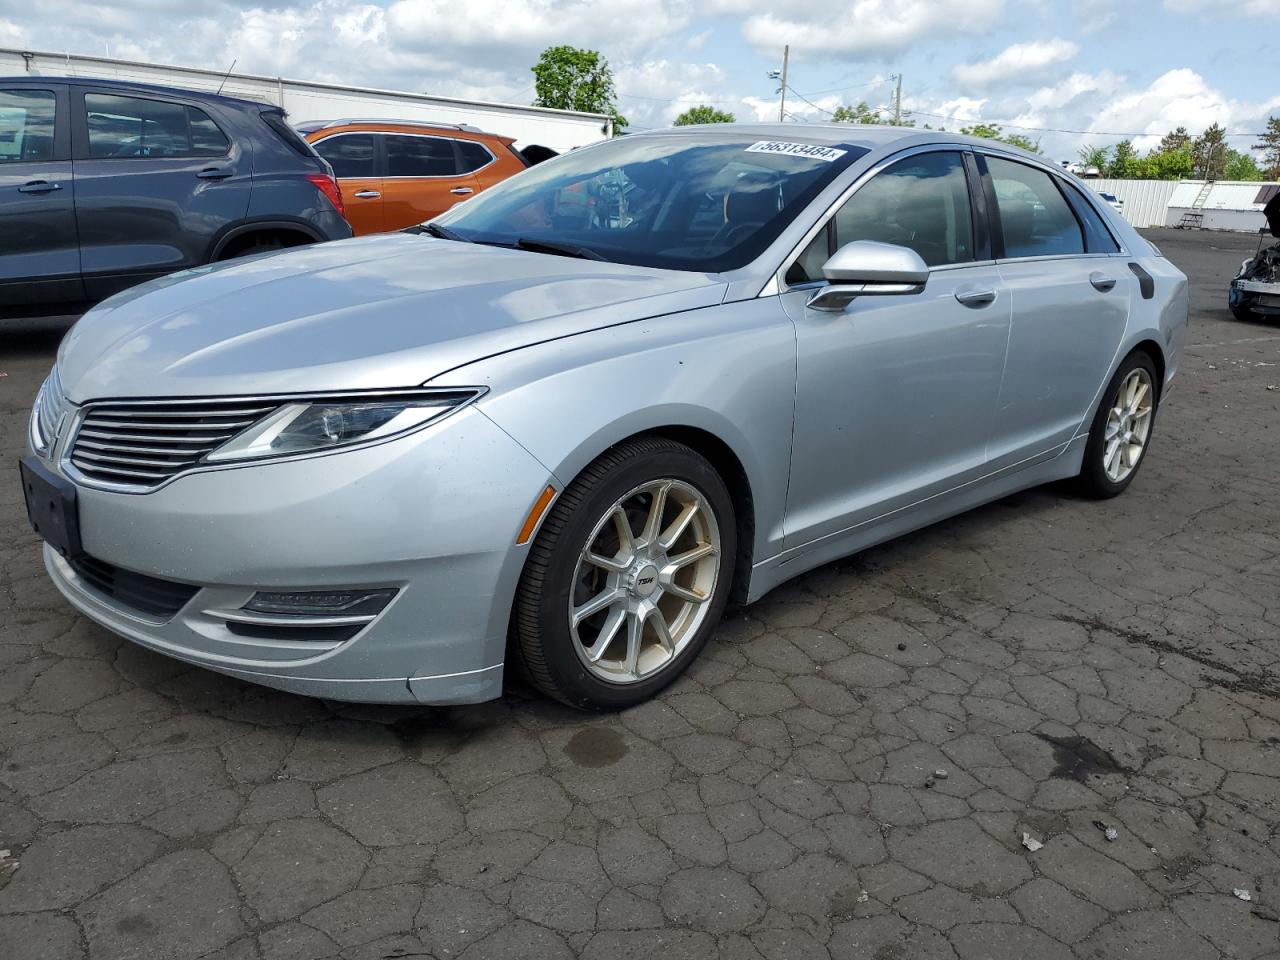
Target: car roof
132, 86
310, 127
871, 136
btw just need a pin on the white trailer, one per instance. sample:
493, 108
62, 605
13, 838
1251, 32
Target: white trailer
304, 100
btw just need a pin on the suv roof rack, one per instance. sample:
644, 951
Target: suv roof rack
313, 125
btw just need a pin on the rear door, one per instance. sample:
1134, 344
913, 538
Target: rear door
422, 179
39, 250
1070, 291
356, 164
157, 179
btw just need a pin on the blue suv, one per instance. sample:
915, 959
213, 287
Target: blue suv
105, 184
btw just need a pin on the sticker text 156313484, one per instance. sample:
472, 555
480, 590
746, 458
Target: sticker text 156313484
810, 150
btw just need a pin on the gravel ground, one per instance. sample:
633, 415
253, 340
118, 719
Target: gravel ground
848, 772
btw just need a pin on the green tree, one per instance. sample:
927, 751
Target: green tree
702, 114
1209, 153
993, 131
1098, 158
569, 78
1173, 164
861, 113
1269, 147
1240, 166
1174, 140
1124, 161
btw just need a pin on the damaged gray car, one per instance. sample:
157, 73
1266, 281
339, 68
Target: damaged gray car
1255, 292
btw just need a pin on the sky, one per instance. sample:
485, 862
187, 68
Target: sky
1064, 74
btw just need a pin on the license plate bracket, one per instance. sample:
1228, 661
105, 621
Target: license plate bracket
52, 507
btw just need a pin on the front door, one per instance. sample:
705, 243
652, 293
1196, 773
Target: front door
894, 395
422, 179
39, 249
156, 181
354, 158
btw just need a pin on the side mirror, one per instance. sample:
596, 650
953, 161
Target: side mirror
869, 268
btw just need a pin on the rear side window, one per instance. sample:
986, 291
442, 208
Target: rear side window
1034, 215
420, 156
280, 127
350, 154
134, 127
26, 125
1097, 236
474, 155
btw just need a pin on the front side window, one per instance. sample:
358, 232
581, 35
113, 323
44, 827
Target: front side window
709, 202
1034, 215
134, 127
420, 157
921, 202
350, 154
27, 125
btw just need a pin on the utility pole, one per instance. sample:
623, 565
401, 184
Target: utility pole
782, 102
897, 103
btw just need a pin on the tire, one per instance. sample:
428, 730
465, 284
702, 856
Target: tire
622, 486
1244, 314
1106, 472
257, 243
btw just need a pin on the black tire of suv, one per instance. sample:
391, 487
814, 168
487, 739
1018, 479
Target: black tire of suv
541, 638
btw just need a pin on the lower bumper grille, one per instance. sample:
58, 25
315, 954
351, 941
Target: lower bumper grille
149, 595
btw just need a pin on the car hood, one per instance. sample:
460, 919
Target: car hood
377, 312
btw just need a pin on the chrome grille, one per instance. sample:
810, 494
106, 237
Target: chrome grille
50, 406
145, 443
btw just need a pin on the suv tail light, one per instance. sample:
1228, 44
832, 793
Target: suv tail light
328, 185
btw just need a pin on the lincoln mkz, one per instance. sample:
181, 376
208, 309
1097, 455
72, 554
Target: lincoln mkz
565, 423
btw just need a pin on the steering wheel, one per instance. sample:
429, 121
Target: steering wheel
732, 234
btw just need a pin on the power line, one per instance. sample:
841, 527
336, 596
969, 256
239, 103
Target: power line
1018, 126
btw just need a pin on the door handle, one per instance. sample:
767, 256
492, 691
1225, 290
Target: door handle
368, 194
214, 173
462, 191
975, 296
1102, 282
39, 186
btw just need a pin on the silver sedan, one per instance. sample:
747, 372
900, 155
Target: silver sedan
564, 424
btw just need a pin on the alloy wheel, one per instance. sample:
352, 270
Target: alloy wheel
644, 581
1128, 425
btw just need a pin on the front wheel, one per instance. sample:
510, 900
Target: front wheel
1121, 429
628, 577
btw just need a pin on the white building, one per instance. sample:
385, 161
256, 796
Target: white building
560, 130
1212, 205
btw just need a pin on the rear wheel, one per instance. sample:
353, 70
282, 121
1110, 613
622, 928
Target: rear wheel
1121, 429
256, 243
1244, 314
628, 576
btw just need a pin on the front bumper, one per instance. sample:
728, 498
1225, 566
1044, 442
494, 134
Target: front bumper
434, 515
1257, 295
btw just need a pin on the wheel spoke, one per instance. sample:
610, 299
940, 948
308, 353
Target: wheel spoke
599, 602
1142, 414
659, 623
635, 626
1138, 394
626, 541
1112, 455
608, 633
1113, 428
612, 564
681, 560
653, 522
685, 593
678, 526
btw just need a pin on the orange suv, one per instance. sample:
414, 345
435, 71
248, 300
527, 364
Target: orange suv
398, 173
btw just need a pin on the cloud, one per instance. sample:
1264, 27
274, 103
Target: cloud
1019, 63
654, 92
862, 29
11, 35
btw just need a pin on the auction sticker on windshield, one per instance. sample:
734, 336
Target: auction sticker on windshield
796, 150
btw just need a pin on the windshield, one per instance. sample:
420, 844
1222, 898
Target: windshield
705, 203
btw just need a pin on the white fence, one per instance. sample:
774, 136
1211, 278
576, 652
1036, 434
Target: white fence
1146, 202
559, 129
1160, 203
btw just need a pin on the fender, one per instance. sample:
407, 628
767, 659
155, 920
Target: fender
243, 227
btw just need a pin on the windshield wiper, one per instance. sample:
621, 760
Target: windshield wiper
444, 233
559, 249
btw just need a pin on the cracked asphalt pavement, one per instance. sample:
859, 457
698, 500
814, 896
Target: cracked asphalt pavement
858, 766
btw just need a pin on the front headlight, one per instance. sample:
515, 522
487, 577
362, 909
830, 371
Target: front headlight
316, 425
47, 414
